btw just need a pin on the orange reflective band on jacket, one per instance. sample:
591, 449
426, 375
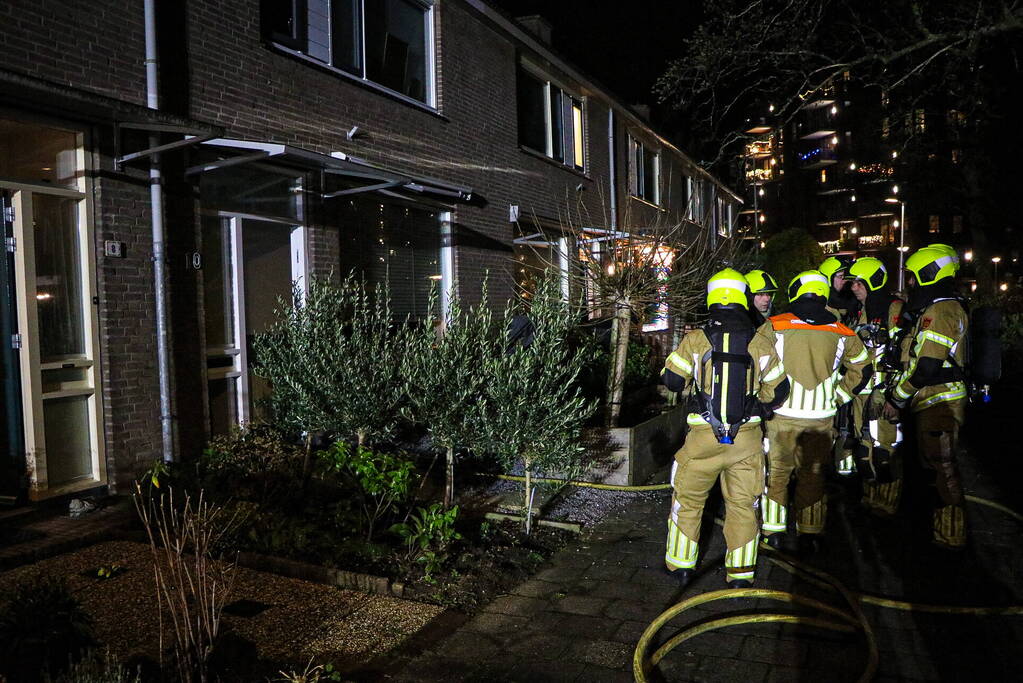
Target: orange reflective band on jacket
788, 321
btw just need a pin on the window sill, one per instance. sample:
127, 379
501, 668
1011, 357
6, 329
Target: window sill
647, 202
554, 162
357, 80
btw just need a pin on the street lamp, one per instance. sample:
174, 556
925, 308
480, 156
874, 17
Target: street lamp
996, 260
902, 236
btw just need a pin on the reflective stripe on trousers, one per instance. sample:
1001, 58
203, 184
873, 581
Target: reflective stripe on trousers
775, 516
681, 552
741, 563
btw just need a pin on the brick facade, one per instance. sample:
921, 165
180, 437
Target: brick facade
219, 72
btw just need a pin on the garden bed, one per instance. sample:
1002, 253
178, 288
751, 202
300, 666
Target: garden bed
272, 622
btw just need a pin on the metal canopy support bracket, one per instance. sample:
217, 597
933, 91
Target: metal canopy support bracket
187, 142
224, 163
363, 189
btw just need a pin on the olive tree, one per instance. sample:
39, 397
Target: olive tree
444, 370
533, 410
333, 360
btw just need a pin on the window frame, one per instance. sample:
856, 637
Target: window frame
297, 45
637, 172
568, 140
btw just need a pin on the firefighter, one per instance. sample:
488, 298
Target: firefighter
878, 461
735, 379
813, 346
845, 307
841, 302
762, 288
932, 387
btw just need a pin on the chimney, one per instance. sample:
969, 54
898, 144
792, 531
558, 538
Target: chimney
642, 111
538, 26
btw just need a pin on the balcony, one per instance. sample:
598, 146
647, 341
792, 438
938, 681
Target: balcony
818, 122
821, 153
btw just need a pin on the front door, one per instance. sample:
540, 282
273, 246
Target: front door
12, 446
57, 369
251, 264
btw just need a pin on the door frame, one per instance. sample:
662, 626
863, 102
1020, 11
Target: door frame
234, 224
31, 367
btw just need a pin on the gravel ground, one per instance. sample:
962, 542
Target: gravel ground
582, 505
303, 619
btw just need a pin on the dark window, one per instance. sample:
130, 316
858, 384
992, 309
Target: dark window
395, 53
532, 119
346, 35
390, 244
550, 119
282, 22
557, 125
645, 173
395, 41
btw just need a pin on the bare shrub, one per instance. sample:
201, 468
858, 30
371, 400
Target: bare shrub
192, 585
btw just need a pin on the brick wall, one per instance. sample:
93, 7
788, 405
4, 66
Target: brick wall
218, 70
98, 46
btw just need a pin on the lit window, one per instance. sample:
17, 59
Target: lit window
919, 120
550, 120
824, 176
935, 224
577, 132
645, 172
387, 42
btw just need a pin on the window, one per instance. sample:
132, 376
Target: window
645, 173
387, 42
393, 245
919, 120
550, 119
724, 217
934, 225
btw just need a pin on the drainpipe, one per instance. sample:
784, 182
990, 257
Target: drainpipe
159, 270
611, 166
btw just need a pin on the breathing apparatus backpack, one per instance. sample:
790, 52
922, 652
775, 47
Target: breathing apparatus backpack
983, 355
982, 350
731, 400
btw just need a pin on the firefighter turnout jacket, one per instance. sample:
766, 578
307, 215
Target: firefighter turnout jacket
934, 359
736, 378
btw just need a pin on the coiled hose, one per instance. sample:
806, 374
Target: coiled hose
832, 618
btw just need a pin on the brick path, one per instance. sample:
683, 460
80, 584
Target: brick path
579, 618
40, 534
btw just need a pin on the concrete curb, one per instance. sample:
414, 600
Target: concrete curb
366, 583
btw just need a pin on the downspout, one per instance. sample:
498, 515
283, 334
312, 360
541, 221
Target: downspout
159, 270
611, 166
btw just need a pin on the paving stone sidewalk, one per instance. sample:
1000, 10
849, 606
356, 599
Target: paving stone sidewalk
580, 618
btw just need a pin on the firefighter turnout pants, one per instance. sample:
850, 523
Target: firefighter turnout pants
799, 447
698, 464
937, 433
880, 459
852, 416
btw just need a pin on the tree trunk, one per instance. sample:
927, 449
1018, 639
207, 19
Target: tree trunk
449, 479
307, 458
361, 436
619, 355
529, 503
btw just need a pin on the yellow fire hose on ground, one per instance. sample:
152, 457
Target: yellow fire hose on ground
832, 618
